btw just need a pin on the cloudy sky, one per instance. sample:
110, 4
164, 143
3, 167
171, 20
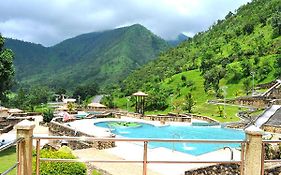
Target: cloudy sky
50, 21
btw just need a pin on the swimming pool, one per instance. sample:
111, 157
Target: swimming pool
179, 132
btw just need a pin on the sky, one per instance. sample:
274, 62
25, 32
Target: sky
49, 22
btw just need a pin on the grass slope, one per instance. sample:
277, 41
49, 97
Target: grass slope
245, 42
8, 158
200, 96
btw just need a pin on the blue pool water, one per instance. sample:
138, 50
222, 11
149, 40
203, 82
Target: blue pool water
180, 132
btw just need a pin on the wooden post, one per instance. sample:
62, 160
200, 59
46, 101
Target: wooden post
25, 130
253, 151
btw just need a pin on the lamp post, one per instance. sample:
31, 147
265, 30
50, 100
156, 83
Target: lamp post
128, 99
224, 95
253, 75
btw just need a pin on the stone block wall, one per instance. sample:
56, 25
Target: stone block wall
274, 129
7, 125
256, 102
228, 169
5, 128
200, 117
61, 130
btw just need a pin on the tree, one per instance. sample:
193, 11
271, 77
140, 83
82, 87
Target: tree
157, 100
246, 67
177, 106
212, 78
248, 28
220, 110
276, 24
189, 102
85, 91
234, 72
21, 99
108, 100
6, 69
278, 66
247, 85
38, 95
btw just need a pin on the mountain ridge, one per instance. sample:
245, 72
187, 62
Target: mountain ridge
106, 57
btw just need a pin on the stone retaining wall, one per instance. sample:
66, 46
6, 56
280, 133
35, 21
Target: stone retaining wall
228, 169
169, 117
61, 130
255, 102
201, 117
5, 128
231, 169
274, 129
7, 125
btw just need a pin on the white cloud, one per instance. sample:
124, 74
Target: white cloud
50, 21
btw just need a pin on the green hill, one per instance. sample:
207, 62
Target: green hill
246, 42
104, 57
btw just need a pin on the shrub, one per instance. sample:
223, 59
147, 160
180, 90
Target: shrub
183, 78
248, 28
95, 172
48, 115
60, 168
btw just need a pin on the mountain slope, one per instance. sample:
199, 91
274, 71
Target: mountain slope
180, 38
230, 53
27, 55
104, 57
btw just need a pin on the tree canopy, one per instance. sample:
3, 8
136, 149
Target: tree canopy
6, 69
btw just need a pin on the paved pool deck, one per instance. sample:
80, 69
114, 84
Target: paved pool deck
133, 151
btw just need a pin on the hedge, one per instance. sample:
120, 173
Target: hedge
59, 168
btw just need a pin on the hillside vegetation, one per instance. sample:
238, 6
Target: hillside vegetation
233, 51
102, 57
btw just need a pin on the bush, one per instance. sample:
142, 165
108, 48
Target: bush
95, 172
48, 115
60, 168
248, 28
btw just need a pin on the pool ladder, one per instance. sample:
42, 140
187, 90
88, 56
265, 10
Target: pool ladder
174, 137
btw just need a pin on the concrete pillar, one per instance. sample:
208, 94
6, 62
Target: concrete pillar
25, 130
253, 151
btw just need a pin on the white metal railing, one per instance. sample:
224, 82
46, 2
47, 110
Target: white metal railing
145, 142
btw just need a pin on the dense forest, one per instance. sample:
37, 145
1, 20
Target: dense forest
245, 45
103, 58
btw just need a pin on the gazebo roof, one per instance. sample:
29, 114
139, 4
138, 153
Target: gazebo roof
96, 105
139, 93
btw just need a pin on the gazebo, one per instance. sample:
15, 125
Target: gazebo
96, 106
140, 99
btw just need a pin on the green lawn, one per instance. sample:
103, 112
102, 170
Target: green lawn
199, 95
8, 159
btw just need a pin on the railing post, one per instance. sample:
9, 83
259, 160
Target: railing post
144, 158
38, 157
25, 130
253, 151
